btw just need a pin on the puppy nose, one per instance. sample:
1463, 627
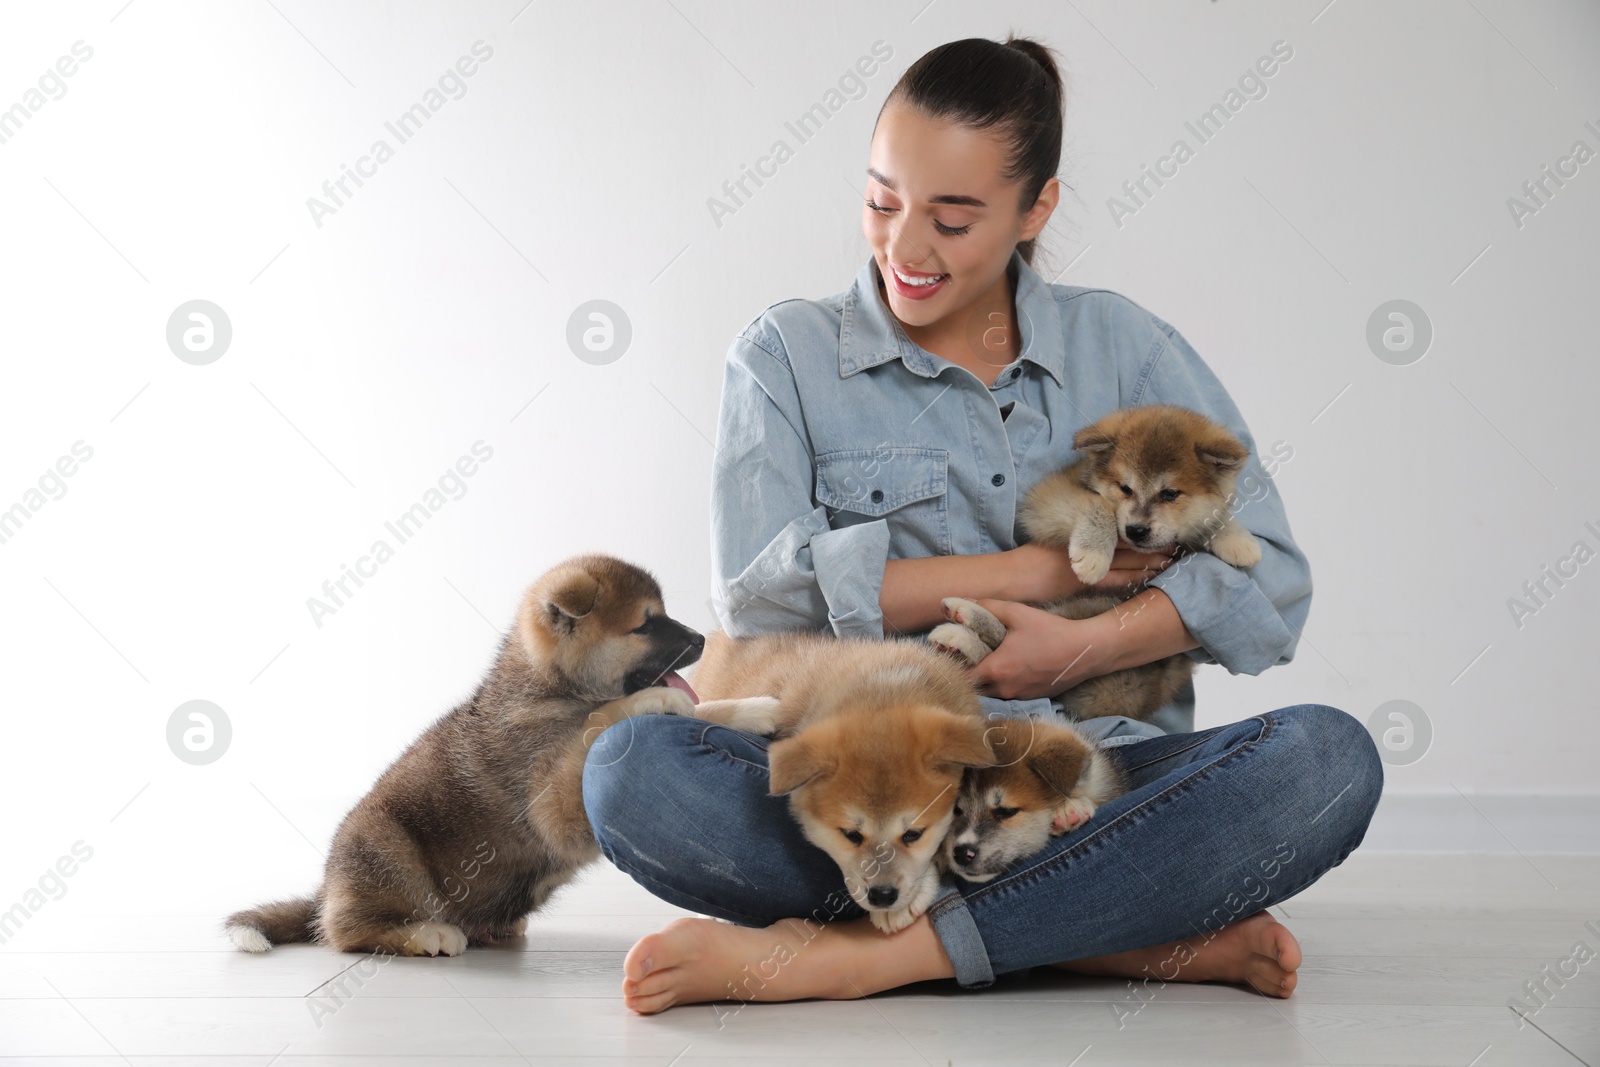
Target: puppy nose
1138, 533
964, 855
881, 896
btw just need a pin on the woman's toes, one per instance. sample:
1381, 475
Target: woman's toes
1287, 948
639, 962
649, 1005
1266, 977
660, 980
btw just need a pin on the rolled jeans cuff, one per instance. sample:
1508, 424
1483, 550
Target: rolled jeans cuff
953, 924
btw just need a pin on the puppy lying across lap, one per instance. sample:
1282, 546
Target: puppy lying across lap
1047, 780
874, 736
1152, 476
474, 826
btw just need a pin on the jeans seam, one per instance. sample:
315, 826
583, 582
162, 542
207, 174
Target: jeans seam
710, 749
1012, 878
731, 758
1175, 752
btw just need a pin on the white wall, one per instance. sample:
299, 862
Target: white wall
429, 313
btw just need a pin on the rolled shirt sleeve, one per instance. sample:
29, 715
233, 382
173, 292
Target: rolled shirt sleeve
777, 565
1245, 619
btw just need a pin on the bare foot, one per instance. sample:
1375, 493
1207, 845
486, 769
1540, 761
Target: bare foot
1258, 951
690, 961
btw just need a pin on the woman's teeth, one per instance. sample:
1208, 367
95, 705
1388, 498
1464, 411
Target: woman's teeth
931, 280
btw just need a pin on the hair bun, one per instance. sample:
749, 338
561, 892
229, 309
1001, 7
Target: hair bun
1039, 54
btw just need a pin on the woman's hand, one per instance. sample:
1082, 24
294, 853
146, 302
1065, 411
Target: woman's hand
1042, 654
1042, 574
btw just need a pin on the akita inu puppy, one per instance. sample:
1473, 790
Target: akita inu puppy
874, 736
478, 821
1047, 780
1154, 477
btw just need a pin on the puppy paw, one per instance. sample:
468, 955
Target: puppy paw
434, 939
959, 641
756, 715
1237, 549
661, 700
1090, 565
892, 921
980, 620
1072, 814
498, 935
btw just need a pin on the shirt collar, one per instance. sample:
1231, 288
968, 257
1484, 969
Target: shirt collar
869, 334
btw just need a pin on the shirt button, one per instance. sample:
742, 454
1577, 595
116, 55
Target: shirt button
1015, 371
877, 496
998, 479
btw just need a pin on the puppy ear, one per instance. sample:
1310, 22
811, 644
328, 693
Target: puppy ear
1059, 760
574, 595
962, 742
1222, 451
793, 762
1008, 739
1097, 439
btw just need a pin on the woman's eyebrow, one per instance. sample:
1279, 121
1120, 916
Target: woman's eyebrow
946, 198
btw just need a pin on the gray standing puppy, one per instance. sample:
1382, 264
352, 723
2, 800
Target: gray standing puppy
482, 817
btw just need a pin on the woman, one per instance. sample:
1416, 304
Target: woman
872, 448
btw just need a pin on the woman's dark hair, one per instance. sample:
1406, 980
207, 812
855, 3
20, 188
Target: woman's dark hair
1012, 88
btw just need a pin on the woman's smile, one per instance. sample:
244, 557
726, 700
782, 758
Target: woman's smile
916, 285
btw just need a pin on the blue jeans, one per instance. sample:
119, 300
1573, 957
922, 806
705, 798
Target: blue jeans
1217, 825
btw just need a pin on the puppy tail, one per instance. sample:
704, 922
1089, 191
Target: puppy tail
281, 922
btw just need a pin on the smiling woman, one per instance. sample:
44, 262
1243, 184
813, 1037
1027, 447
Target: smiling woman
872, 450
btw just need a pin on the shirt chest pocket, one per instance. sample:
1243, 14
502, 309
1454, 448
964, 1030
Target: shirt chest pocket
906, 487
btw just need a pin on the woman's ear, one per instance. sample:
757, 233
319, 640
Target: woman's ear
1037, 217
793, 762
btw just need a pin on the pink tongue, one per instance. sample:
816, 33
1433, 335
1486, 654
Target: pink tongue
676, 681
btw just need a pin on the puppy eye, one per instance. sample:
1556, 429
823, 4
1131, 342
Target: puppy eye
1005, 813
1125, 490
957, 810
1169, 495
852, 836
910, 836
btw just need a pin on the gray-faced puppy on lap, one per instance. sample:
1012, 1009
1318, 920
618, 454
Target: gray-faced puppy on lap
482, 817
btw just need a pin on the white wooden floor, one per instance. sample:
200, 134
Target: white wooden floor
1409, 959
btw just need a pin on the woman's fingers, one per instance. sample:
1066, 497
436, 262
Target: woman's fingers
1131, 559
1129, 565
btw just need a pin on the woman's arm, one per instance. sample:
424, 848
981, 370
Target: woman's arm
913, 588
1044, 654
1246, 619
777, 564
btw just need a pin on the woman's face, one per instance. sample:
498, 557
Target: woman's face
938, 208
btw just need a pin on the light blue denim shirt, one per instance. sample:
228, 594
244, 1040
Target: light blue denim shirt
842, 444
